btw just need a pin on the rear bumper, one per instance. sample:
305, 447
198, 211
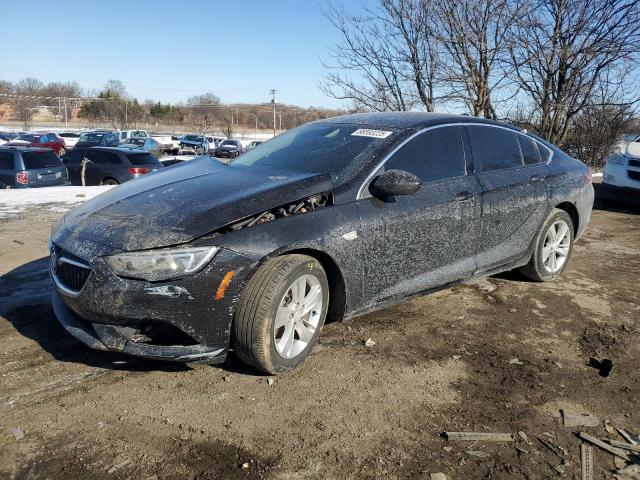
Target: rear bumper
620, 194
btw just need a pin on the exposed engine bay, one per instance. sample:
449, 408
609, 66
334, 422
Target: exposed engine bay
306, 205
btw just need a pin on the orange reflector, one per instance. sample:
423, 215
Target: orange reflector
224, 284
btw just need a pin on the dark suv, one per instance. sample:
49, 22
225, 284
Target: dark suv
108, 165
98, 138
22, 167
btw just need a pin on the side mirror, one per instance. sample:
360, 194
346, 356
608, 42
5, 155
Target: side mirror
395, 182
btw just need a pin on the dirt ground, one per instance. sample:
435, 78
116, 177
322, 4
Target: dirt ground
499, 355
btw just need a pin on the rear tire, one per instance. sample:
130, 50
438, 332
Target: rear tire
553, 248
280, 313
110, 181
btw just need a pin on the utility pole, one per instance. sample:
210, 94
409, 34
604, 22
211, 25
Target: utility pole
280, 118
66, 123
273, 102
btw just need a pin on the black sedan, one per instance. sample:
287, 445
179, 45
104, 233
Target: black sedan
329, 220
228, 149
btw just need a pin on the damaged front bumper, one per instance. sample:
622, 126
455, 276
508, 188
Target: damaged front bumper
120, 339
185, 320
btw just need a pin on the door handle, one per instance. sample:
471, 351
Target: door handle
537, 178
465, 195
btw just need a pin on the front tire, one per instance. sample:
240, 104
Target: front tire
280, 313
553, 248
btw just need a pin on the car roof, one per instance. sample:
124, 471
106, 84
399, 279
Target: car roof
23, 149
120, 149
407, 120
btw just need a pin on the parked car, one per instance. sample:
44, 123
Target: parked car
253, 144
27, 167
195, 143
6, 137
228, 149
175, 159
170, 143
621, 178
331, 219
108, 165
97, 138
70, 139
40, 140
127, 134
147, 144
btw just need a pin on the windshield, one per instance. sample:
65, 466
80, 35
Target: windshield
135, 141
142, 159
230, 142
29, 137
337, 149
91, 137
192, 138
36, 160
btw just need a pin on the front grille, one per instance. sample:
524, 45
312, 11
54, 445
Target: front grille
633, 175
70, 270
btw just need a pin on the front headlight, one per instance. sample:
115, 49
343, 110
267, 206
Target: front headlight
156, 265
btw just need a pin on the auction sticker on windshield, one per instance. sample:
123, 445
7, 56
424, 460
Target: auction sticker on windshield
365, 132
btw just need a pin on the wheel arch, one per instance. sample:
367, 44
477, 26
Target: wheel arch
572, 211
337, 286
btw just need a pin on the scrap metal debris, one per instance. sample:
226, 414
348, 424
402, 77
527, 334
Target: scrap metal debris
554, 447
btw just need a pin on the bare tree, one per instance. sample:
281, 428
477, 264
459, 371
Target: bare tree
203, 109
474, 34
562, 50
28, 90
391, 53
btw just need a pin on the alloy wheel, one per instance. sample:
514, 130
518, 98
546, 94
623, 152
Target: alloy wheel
557, 244
298, 316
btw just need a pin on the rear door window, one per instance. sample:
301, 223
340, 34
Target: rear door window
530, 150
37, 160
436, 154
74, 157
97, 156
143, 159
6, 161
497, 148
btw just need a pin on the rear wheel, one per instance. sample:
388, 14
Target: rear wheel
554, 244
110, 181
280, 314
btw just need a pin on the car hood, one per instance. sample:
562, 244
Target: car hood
19, 143
193, 142
177, 205
227, 147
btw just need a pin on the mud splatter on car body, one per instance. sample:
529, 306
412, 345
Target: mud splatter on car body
449, 231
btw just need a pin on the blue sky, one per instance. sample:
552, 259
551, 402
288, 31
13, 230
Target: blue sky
169, 50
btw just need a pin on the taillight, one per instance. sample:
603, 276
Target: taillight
589, 174
22, 178
138, 170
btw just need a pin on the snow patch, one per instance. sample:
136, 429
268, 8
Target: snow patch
16, 201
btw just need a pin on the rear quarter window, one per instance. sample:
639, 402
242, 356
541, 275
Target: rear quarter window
37, 160
6, 161
143, 159
497, 148
530, 151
